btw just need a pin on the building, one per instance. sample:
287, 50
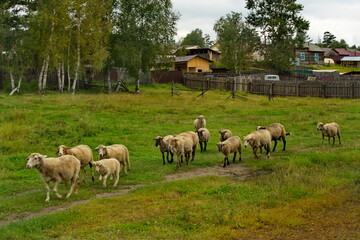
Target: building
193, 63
310, 54
350, 61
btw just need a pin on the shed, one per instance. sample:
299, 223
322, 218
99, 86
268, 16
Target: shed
351, 61
192, 63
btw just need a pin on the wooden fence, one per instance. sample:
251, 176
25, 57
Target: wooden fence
254, 84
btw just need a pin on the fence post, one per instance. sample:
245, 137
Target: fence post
202, 90
271, 92
352, 90
298, 89
324, 90
172, 88
249, 87
234, 88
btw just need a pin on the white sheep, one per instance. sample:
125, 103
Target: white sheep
81, 152
329, 130
108, 167
230, 145
277, 131
200, 122
193, 140
258, 139
204, 136
117, 151
163, 144
58, 170
225, 134
181, 146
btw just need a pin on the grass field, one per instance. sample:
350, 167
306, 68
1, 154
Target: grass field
309, 191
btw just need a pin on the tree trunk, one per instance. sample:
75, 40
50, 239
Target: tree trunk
69, 77
59, 77
14, 89
62, 77
120, 83
109, 81
45, 74
41, 77
12, 80
78, 56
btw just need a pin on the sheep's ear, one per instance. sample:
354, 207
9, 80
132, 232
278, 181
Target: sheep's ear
97, 148
42, 156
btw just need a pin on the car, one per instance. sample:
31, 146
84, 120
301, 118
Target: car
272, 78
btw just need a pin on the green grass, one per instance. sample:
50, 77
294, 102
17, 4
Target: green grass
306, 177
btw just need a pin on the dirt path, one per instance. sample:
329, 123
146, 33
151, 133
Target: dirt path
237, 171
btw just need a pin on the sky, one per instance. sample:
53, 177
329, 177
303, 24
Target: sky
339, 17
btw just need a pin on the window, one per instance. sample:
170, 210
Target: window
316, 57
302, 56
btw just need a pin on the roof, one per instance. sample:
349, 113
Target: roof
312, 47
342, 51
188, 58
351, 59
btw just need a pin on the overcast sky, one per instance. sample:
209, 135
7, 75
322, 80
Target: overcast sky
339, 17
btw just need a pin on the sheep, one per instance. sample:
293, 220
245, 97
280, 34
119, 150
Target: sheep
258, 139
329, 130
181, 146
117, 151
200, 122
81, 152
193, 138
225, 134
163, 144
58, 170
107, 167
204, 135
277, 132
230, 145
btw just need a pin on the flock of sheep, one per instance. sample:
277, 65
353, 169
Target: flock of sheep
67, 166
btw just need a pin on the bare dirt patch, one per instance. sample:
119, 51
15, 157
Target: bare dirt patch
237, 171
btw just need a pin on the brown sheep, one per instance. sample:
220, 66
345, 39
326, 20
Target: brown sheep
225, 134
163, 144
117, 151
204, 136
230, 145
258, 139
200, 122
181, 146
277, 131
57, 170
329, 130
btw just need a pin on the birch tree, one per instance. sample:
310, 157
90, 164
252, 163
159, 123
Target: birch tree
142, 30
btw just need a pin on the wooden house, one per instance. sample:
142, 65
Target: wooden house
193, 63
310, 54
350, 61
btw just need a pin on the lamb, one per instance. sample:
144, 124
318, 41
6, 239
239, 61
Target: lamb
230, 145
181, 146
107, 167
204, 135
58, 170
225, 134
200, 122
329, 130
81, 152
193, 139
163, 144
117, 151
258, 139
277, 132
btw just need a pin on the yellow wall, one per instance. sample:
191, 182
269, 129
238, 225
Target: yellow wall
198, 63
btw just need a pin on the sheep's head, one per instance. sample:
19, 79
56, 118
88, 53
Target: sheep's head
158, 140
260, 127
320, 126
219, 145
201, 118
98, 165
200, 133
248, 140
61, 150
102, 151
34, 160
173, 143
222, 134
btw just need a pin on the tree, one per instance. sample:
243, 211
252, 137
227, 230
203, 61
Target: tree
279, 24
341, 44
328, 39
195, 37
142, 32
237, 41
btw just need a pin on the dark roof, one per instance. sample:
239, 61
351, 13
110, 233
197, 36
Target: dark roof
312, 47
188, 58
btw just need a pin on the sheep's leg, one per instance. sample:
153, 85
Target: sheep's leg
179, 159
172, 157
254, 152
329, 140
205, 145
268, 151
48, 192
104, 179
201, 146
128, 164
234, 156
100, 178
163, 158
274, 145
187, 157
92, 171
239, 154
333, 140
193, 153
339, 139
125, 170
83, 175
117, 174
73, 183
284, 142
225, 161
55, 189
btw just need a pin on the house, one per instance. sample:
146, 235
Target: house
192, 63
337, 54
310, 54
196, 50
350, 61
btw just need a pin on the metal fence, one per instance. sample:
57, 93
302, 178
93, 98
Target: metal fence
254, 84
